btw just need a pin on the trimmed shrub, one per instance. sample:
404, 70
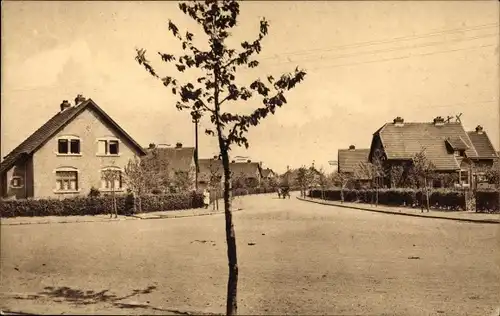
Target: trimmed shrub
438, 199
487, 201
97, 205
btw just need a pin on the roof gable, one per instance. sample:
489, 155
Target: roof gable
43, 134
482, 145
247, 169
350, 160
177, 159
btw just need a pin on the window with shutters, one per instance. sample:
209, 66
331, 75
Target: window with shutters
68, 145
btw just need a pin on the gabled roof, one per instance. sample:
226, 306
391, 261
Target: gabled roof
349, 161
246, 169
267, 172
402, 142
54, 125
176, 159
482, 144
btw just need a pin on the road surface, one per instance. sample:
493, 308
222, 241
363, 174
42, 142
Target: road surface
294, 257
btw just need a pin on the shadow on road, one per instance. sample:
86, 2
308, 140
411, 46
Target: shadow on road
79, 297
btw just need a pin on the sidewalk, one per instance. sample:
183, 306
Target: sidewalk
105, 217
416, 212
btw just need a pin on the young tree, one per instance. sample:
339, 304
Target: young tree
342, 180
323, 182
157, 171
183, 180
396, 175
212, 92
423, 171
374, 170
135, 177
111, 177
303, 180
214, 181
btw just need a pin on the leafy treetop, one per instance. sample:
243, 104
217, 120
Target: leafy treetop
220, 64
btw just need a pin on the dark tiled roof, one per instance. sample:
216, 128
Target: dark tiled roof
246, 169
403, 142
52, 126
176, 159
349, 160
483, 145
457, 143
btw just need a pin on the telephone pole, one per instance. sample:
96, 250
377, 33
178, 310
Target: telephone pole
196, 119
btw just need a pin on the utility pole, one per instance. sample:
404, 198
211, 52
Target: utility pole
196, 120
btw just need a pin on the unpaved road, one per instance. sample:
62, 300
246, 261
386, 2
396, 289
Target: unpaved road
305, 259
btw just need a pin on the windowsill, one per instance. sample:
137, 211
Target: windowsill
68, 155
108, 155
66, 192
17, 188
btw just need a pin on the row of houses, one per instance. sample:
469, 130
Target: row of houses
453, 151
74, 150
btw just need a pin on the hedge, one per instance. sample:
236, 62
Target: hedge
440, 199
487, 201
98, 205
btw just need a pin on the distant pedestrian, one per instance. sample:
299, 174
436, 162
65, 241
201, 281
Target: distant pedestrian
206, 198
279, 193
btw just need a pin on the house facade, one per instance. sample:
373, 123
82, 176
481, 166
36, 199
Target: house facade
171, 167
79, 148
350, 162
211, 173
246, 174
454, 153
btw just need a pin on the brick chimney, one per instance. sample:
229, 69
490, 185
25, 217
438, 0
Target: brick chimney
439, 121
79, 99
398, 121
65, 105
479, 129
178, 145
352, 147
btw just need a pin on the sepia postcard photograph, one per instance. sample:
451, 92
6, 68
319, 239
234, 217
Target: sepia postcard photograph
225, 157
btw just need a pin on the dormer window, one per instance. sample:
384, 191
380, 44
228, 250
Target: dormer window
68, 146
459, 153
108, 147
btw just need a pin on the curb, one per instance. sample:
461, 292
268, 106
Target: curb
68, 222
130, 217
477, 221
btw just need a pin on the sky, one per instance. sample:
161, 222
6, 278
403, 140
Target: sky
366, 62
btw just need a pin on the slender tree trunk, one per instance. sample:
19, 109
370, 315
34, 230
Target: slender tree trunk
426, 195
232, 283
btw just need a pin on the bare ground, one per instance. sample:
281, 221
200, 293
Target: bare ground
295, 258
